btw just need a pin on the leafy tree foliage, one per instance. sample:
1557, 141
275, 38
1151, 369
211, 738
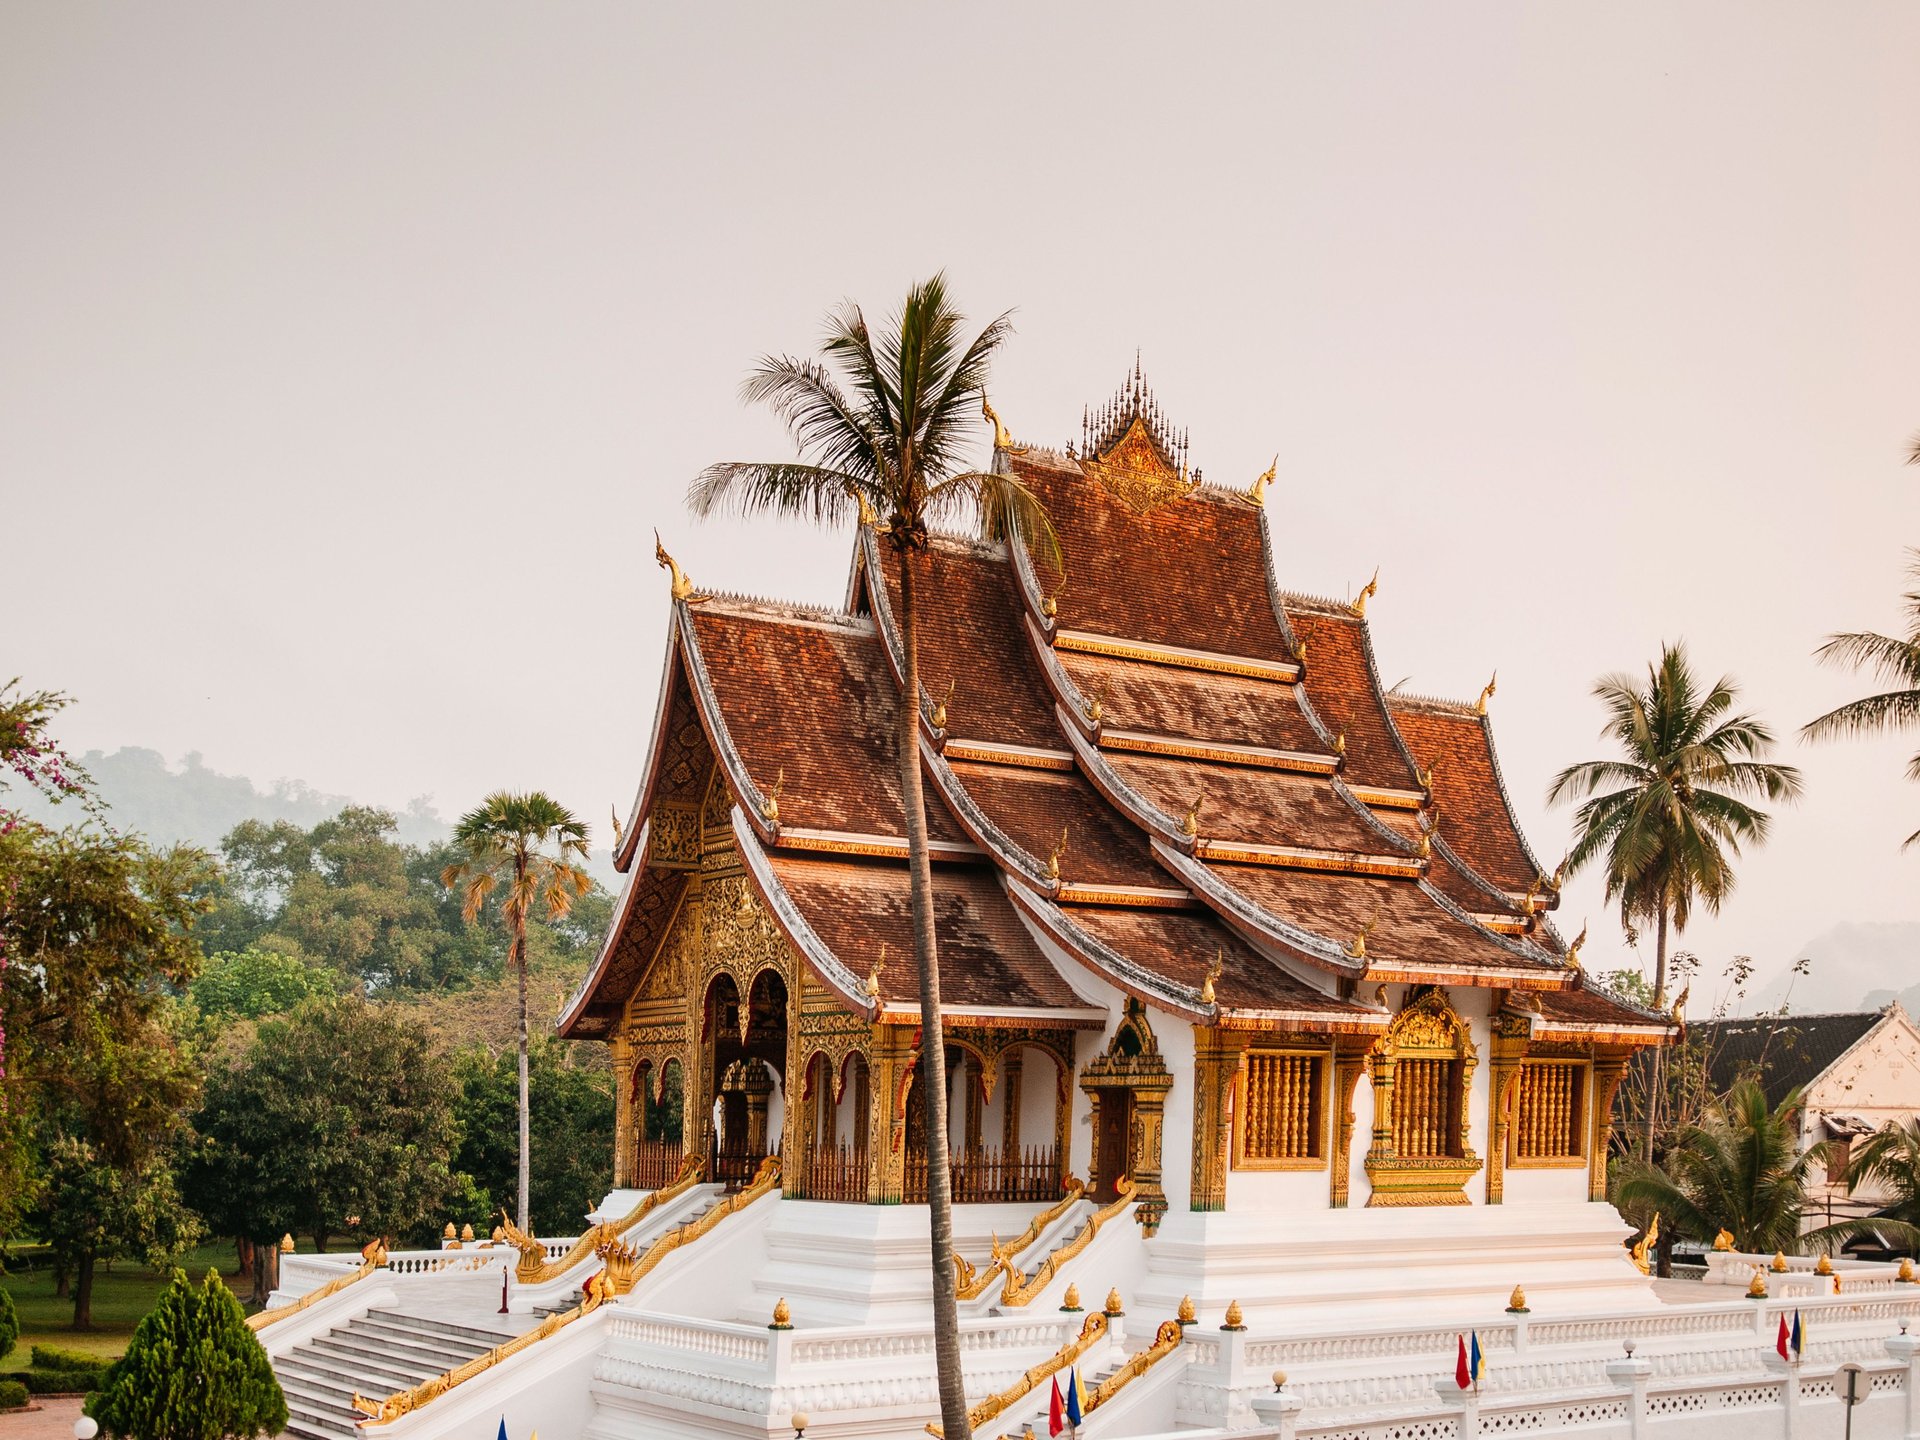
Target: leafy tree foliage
1890, 1160
89, 1210
572, 1122
252, 983
9, 1325
193, 1371
337, 1118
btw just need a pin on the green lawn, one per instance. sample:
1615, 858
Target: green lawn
120, 1297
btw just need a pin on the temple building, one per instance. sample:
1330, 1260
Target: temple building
1256, 1023
1216, 914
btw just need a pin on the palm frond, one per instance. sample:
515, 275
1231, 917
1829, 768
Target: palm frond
749, 487
1893, 711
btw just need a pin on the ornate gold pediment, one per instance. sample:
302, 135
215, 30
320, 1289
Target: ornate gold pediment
1138, 472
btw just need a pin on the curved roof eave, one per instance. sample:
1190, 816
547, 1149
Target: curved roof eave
576, 1004
1252, 921
820, 959
643, 797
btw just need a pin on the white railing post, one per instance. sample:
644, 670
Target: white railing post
1632, 1375
1903, 1347
1789, 1389
1468, 1400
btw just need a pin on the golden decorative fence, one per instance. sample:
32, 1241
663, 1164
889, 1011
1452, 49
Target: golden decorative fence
1021, 1175
1425, 1119
656, 1164
836, 1172
1282, 1098
1547, 1120
535, 1268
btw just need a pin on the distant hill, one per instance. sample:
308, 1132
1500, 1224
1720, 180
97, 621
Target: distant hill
196, 805
1854, 958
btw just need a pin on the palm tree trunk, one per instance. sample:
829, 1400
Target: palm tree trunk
933, 1048
1656, 1090
520, 969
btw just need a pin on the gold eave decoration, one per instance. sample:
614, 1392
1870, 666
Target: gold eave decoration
682, 586
1367, 592
1137, 472
1257, 496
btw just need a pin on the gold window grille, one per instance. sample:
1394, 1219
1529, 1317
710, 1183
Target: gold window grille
1426, 1108
1549, 1115
1280, 1111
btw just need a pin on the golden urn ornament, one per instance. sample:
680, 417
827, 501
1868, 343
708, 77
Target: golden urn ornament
1187, 1315
782, 1315
1113, 1302
1757, 1287
1235, 1320
1779, 1266
1071, 1300
1517, 1302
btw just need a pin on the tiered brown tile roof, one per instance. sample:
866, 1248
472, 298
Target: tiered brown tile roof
1344, 690
1469, 802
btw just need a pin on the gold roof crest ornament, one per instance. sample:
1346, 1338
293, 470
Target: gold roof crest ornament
940, 709
1257, 496
1358, 949
1367, 592
1480, 705
770, 802
868, 517
682, 586
619, 830
873, 976
1425, 777
1001, 439
1097, 706
1340, 745
1573, 950
1190, 822
1213, 973
1128, 447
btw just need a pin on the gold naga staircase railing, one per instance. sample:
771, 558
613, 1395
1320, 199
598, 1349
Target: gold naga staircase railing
372, 1258
972, 1284
1093, 1330
622, 1267
1021, 1289
1166, 1340
535, 1267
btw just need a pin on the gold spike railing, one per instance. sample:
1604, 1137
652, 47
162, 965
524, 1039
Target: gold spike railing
621, 1270
1093, 1330
535, 1267
1021, 1290
374, 1257
972, 1284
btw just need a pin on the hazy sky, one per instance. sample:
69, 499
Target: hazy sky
349, 354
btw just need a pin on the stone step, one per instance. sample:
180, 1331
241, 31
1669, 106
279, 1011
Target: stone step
311, 1373
317, 1422
481, 1334
407, 1354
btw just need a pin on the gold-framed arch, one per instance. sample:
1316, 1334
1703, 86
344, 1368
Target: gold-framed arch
1422, 1074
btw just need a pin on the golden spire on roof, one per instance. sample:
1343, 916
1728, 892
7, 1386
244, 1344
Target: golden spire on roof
867, 515
1258, 494
619, 830
770, 802
1001, 439
1190, 822
1053, 860
1573, 950
1213, 973
940, 710
873, 975
682, 586
1480, 705
1367, 592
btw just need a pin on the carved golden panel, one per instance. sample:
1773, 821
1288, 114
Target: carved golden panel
1137, 473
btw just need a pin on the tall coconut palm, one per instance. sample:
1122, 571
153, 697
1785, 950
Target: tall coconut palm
505, 840
1889, 1161
1893, 662
1740, 1169
1670, 813
881, 423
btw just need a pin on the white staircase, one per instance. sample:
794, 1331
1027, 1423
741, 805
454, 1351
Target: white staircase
378, 1354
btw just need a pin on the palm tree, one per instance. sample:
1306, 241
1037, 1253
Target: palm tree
1894, 662
885, 435
1739, 1168
1671, 814
1891, 1158
504, 840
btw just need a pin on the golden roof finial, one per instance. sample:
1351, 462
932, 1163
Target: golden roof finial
867, 515
1050, 607
1001, 439
1213, 973
682, 586
1480, 705
1724, 1240
1426, 845
1053, 859
1559, 876
770, 802
1367, 592
1573, 950
940, 709
1340, 744
1097, 707
1258, 494
1517, 1302
873, 976
1190, 822
619, 830
1531, 903
1757, 1287
1187, 1314
1300, 651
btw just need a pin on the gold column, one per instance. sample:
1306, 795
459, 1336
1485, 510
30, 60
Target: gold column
1216, 1068
1608, 1072
891, 1051
1348, 1066
1010, 1065
1508, 1056
623, 1123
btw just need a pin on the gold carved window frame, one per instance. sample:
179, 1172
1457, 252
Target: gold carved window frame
1318, 1126
1580, 1127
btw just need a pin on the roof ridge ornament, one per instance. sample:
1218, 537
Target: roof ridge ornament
873, 975
770, 802
1573, 950
682, 586
1001, 439
869, 518
1358, 605
1480, 705
1053, 860
619, 830
1190, 822
1128, 446
1257, 496
1214, 972
939, 716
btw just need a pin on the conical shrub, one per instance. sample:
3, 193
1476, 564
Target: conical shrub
193, 1371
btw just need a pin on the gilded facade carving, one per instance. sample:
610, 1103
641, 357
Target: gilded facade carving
1429, 1051
673, 840
1131, 1072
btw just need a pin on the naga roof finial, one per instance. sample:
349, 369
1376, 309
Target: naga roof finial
940, 710
1001, 439
1053, 860
868, 517
619, 830
1358, 950
682, 586
1480, 705
1573, 950
1213, 973
873, 975
770, 802
1367, 592
1258, 494
1190, 822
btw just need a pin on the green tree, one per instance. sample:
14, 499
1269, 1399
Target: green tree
565, 1099
887, 437
193, 1371
1890, 1159
340, 1112
1892, 661
253, 982
1670, 814
1740, 1168
502, 844
9, 1325
89, 1210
